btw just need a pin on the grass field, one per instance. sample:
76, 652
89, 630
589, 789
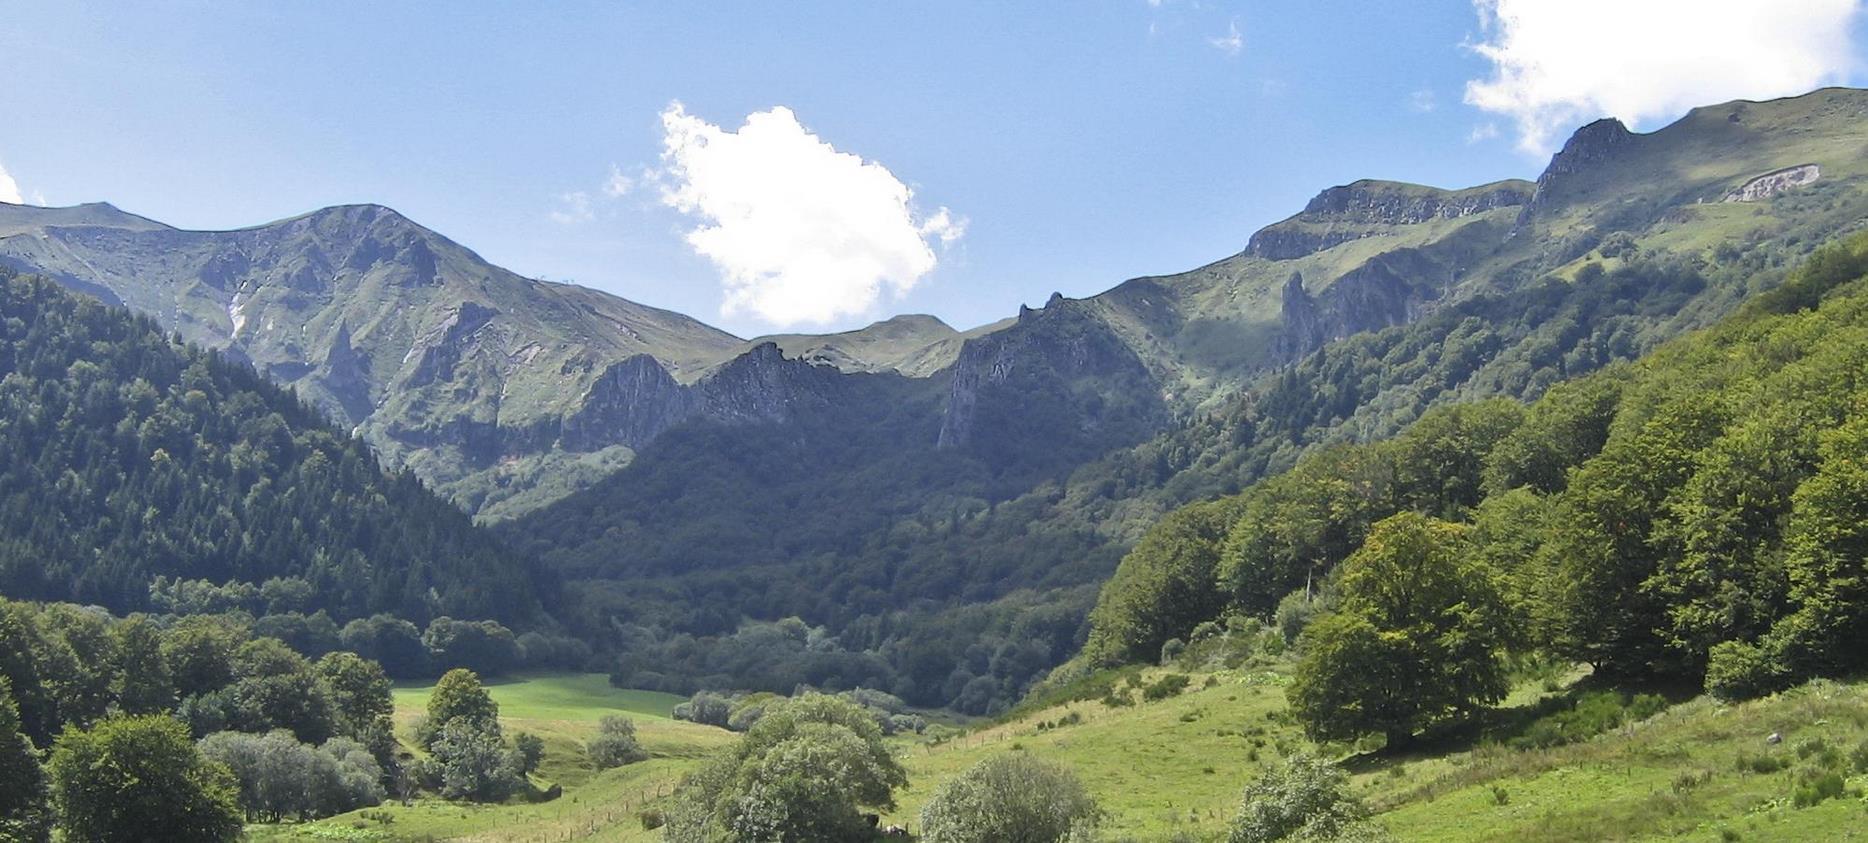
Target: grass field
1175, 767
564, 710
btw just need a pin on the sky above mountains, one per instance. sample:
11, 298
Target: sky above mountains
817, 166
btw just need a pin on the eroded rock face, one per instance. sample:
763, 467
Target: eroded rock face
1777, 181
1059, 372
1392, 289
1353, 211
636, 400
1589, 146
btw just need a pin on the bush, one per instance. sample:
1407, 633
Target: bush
140, 778
615, 744
803, 772
531, 750
280, 777
1171, 650
1592, 714
1165, 687
1818, 787
1294, 613
1305, 800
1736, 670
706, 707
1009, 797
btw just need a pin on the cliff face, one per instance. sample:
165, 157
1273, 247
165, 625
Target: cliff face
1589, 149
1058, 386
1391, 289
1351, 212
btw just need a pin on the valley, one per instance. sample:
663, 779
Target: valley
1527, 510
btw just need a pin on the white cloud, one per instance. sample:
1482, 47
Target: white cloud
1482, 133
1422, 101
1558, 63
9, 189
573, 208
618, 184
1230, 43
800, 232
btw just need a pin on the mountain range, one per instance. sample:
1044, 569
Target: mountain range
674, 469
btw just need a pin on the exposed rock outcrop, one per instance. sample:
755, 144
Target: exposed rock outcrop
1353, 211
1590, 146
1777, 181
1391, 289
1060, 375
636, 400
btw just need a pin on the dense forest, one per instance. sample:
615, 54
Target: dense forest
131, 456
1695, 516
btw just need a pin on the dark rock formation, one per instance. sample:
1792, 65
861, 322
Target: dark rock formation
1061, 381
1391, 289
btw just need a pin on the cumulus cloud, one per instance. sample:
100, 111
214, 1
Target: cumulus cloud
1230, 43
1557, 63
9, 189
800, 232
1482, 133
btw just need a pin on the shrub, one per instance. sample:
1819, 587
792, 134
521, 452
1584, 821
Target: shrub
1165, 687
531, 750
1294, 613
1009, 797
707, 708
801, 773
1818, 787
1736, 670
1304, 799
615, 744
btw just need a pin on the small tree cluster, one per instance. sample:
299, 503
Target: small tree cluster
469, 760
280, 777
615, 743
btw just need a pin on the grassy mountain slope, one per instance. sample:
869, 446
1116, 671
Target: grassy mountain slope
443, 362
129, 455
915, 345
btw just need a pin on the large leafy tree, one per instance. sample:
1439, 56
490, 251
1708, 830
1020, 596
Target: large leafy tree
140, 780
460, 696
802, 773
1164, 587
23, 814
1414, 641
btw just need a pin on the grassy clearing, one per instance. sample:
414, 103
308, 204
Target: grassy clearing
1157, 768
564, 710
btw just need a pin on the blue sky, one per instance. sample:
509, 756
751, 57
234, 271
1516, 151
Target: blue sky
1069, 146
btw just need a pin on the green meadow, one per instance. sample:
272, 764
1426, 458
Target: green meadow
1172, 769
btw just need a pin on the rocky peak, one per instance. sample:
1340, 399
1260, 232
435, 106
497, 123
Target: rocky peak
1589, 147
1590, 144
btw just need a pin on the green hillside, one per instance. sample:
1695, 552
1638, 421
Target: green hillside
131, 456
